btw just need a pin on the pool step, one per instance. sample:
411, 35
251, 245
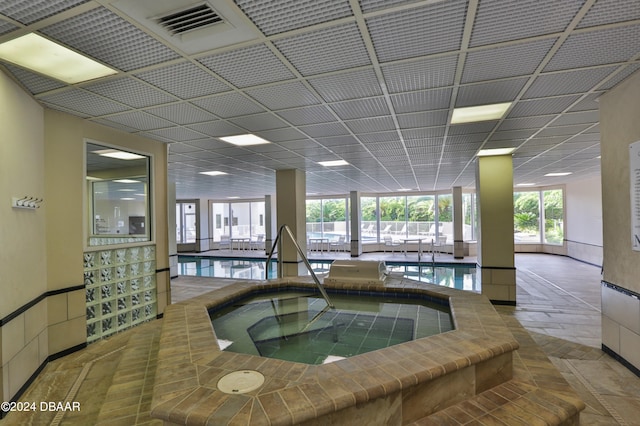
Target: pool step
513, 403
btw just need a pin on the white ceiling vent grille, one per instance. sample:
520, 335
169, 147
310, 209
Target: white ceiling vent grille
190, 19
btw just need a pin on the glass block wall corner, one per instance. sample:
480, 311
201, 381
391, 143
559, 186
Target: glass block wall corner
120, 289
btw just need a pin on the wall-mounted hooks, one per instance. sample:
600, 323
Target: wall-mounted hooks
26, 202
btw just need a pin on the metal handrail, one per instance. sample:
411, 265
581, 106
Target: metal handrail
278, 243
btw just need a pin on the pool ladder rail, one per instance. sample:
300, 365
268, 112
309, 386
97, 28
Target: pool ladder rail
278, 244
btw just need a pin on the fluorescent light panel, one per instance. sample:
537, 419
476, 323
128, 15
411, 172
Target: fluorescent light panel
558, 174
479, 113
43, 56
333, 163
126, 181
495, 151
245, 140
213, 173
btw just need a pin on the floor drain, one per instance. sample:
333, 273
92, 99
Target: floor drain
241, 381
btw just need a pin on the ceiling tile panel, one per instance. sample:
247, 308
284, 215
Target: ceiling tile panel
238, 66
277, 17
324, 129
229, 105
370, 107
568, 82
502, 20
329, 49
282, 96
217, 128
84, 102
375, 124
28, 12
423, 119
490, 93
362, 83
611, 11
429, 29
182, 113
139, 120
551, 105
608, 46
130, 92
258, 122
193, 82
421, 101
420, 74
308, 115
506, 61
34, 83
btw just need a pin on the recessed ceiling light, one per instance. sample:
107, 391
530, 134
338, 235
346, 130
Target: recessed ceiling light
213, 173
126, 181
127, 199
526, 184
232, 198
558, 174
333, 163
126, 190
245, 140
41, 55
495, 151
404, 189
479, 113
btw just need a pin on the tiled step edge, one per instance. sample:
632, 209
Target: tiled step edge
512, 403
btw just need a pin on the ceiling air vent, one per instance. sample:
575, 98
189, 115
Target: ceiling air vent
193, 18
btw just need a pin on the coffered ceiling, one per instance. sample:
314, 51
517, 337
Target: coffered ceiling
372, 82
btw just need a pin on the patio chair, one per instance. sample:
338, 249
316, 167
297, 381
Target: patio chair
439, 243
389, 242
337, 244
258, 243
224, 243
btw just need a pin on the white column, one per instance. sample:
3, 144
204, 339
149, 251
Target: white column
356, 214
458, 222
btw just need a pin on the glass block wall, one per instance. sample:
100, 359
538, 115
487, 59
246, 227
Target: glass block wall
120, 289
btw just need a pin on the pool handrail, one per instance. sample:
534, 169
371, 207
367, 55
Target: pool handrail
278, 243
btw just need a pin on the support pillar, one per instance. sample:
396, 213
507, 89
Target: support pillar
270, 226
496, 264
291, 211
356, 214
458, 238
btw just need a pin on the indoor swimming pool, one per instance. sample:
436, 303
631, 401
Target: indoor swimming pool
460, 276
298, 325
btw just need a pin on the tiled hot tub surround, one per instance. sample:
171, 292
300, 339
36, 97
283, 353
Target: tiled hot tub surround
404, 382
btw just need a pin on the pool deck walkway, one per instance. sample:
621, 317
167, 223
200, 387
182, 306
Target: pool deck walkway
558, 307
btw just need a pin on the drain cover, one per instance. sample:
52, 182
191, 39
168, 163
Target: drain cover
241, 381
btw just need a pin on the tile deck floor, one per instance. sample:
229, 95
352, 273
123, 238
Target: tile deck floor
558, 308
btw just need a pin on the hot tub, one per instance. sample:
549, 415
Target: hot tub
394, 385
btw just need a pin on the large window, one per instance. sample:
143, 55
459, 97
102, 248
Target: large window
327, 218
553, 216
185, 222
538, 216
470, 217
242, 219
401, 217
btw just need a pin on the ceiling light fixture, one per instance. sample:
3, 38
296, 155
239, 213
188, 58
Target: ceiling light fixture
244, 140
558, 174
43, 56
495, 151
479, 113
126, 181
526, 184
333, 163
213, 173
121, 155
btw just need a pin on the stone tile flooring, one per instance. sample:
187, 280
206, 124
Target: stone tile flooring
558, 305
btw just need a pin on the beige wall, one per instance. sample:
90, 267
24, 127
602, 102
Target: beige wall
23, 335
619, 127
42, 308
583, 213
